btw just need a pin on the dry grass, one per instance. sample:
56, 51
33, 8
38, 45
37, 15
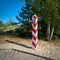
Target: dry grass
15, 39
22, 40
56, 42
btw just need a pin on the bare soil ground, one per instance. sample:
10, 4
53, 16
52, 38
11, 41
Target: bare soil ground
13, 48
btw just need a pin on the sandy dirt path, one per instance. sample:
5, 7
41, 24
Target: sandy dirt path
22, 50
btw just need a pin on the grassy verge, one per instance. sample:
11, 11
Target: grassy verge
56, 42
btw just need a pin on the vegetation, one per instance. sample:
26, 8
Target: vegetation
8, 27
48, 12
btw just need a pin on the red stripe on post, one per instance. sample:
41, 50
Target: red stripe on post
35, 37
34, 30
34, 44
36, 24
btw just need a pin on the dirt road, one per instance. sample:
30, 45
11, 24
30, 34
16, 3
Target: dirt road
22, 50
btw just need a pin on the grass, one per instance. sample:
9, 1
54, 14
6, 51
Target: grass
56, 42
11, 38
19, 39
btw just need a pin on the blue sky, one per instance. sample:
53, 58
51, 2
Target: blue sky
9, 8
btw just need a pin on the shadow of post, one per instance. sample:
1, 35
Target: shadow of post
23, 45
43, 57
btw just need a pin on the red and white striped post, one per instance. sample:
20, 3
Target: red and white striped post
35, 31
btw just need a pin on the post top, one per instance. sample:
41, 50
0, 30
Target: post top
35, 16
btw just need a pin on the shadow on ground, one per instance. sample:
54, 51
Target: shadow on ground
43, 57
20, 44
28, 53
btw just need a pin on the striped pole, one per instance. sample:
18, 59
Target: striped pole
34, 31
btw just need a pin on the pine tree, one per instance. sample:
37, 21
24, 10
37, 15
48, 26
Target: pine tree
24, 17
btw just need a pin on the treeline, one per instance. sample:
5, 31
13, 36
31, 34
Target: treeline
48, 12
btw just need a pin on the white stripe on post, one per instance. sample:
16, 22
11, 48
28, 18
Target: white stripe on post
35, 31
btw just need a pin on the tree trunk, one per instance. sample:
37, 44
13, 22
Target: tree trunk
52, 33
48, 32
